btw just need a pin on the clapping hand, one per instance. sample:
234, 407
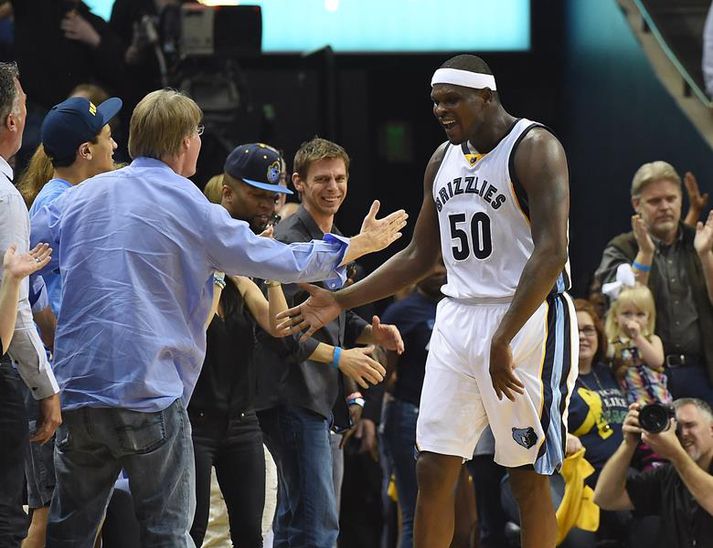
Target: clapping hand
642, 236
697, 200
703, 241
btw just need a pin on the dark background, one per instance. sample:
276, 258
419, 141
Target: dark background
585, 77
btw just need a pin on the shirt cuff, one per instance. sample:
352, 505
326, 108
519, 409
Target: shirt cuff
340, 272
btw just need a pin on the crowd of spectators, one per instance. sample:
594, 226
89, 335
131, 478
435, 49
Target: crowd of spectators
155, 355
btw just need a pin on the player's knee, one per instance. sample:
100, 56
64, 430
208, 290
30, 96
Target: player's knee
528, 486
437, 472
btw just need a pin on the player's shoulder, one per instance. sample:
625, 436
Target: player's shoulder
435, 162
439, 153
537, 137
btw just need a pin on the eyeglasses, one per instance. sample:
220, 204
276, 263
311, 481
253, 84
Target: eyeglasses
588, 330
200, 129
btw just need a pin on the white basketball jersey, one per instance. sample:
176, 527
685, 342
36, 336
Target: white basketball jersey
483, 216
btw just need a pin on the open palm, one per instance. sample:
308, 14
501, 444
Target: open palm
21, 265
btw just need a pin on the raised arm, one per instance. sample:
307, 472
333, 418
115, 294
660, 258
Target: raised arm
233, 248
412, 263
403, 269
541, 167
15, 269
703, 243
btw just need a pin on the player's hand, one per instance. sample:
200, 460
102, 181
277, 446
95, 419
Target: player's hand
631, 429
318, 310
386, 335
381, 233
572, 445
642, 236
20, 266
703, 241
502, 371
50, 419
358, 365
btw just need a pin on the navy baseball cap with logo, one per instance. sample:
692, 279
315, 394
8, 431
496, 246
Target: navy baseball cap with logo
257, 165
73, 122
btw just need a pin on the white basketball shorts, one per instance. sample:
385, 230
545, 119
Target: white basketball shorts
458, 398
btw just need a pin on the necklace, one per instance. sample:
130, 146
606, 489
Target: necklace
596, 379
602, 423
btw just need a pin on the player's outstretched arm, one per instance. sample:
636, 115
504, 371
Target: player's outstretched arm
541, 167
403, 269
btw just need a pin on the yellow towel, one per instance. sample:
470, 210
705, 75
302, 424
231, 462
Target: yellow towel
577, 508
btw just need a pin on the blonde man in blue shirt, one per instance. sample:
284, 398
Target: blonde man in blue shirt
137, 250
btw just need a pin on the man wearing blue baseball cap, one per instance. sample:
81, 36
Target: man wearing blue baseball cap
251, 184
76, 136
77, 139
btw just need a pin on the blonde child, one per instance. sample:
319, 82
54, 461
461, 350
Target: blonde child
637, 354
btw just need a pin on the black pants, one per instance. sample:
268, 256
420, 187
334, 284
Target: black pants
13, 439
233, 445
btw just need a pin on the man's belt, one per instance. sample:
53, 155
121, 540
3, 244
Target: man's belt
683, 360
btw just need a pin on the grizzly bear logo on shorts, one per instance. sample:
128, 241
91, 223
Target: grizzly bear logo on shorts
525, 436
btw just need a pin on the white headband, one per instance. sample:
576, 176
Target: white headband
463, 78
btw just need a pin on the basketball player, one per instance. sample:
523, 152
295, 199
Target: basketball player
496, 196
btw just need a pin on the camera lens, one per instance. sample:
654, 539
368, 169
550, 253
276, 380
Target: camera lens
654, 417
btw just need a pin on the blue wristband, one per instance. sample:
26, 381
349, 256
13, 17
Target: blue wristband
335, 358
641, 267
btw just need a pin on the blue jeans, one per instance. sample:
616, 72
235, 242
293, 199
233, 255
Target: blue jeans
307, 509
400, 438
39, 461
156, 452
13, 438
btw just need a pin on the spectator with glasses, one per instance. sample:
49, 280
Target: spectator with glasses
596, 414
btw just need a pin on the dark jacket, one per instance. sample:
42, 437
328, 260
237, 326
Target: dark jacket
52, 65
311, 385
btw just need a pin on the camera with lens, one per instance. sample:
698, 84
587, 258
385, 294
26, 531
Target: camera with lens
656, 417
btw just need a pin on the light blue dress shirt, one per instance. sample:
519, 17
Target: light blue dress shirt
52, 190
137, 249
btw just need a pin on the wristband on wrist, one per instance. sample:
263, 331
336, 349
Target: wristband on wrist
336, 356
357, 401
641, 267
272, 283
